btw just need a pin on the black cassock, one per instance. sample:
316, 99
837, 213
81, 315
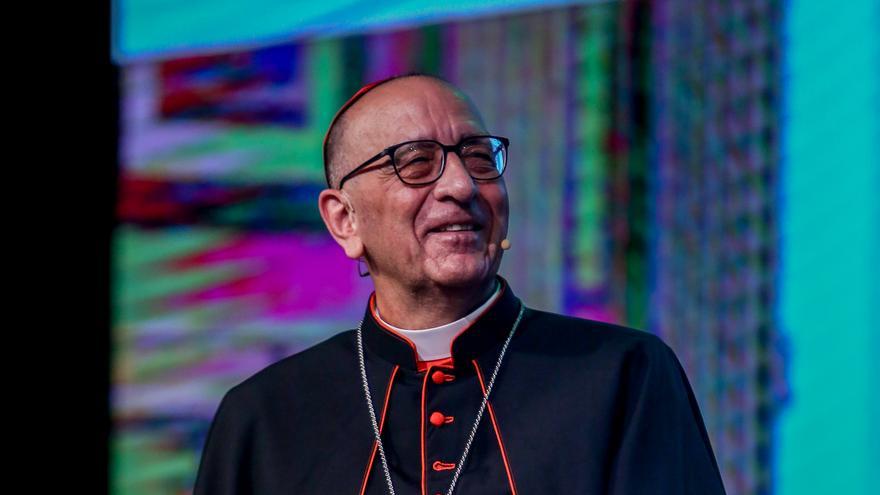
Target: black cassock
578, 407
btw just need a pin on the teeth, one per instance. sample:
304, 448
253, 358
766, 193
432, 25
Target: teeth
456, 227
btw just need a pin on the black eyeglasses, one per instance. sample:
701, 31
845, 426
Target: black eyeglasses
422, 161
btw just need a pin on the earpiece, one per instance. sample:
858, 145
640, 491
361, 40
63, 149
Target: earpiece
347, 202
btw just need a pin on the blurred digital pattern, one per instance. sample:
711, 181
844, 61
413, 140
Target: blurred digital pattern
644, 182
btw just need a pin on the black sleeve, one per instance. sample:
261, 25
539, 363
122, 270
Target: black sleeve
224, 468
664, 447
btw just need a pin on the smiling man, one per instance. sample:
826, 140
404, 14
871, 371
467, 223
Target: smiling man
449, 383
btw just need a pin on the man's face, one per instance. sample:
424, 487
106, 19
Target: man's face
404, 229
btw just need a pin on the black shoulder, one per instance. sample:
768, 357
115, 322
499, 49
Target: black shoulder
558, 330
312, 365
591, 343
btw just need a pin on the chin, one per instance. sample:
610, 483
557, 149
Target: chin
460, 271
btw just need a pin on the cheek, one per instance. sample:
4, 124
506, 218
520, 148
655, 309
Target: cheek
389, 219
496, 199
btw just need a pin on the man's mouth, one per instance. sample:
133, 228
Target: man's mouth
458, 227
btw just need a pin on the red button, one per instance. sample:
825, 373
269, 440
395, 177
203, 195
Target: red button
443, 466
437, 418
439, 377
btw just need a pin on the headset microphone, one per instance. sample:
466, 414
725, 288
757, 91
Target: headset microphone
505, 244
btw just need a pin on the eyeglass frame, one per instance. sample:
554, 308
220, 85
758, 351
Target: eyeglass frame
389, 151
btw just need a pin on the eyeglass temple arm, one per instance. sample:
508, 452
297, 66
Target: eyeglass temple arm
361, 166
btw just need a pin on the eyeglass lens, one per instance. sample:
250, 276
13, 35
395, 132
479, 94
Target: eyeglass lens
422, 161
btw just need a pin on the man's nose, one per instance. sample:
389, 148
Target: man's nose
455, 182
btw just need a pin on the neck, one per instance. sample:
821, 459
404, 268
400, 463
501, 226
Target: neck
428, 307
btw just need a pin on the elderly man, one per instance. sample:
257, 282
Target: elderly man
449, 384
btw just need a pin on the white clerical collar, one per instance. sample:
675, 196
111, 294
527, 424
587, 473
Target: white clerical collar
436, 343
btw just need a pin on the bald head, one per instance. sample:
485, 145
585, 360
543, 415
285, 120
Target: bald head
360, 114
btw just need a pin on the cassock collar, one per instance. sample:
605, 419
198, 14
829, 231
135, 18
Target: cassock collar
486, 332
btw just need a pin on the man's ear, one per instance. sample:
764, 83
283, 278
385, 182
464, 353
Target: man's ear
339, 217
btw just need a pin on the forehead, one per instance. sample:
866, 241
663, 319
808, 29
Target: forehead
407, 109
